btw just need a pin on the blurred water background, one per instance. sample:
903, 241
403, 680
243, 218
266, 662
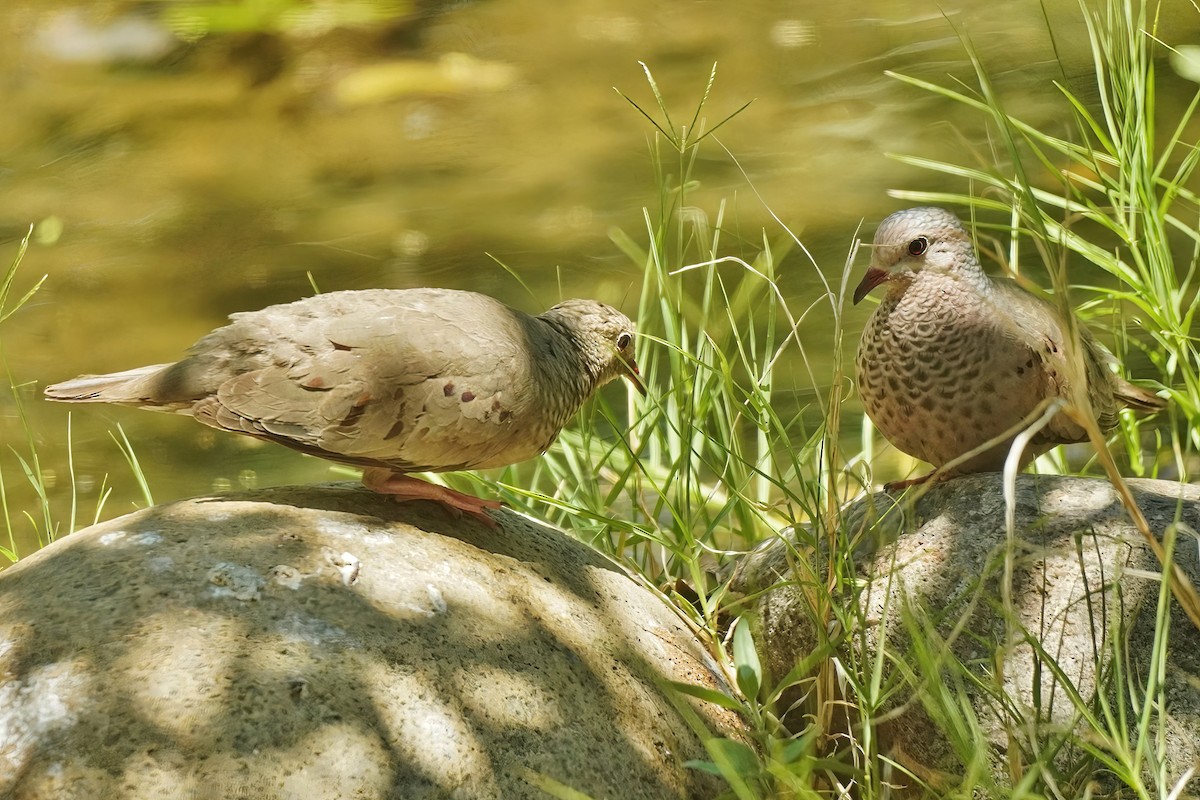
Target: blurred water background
184, 160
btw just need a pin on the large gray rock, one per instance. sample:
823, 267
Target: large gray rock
1084, 585
331, 643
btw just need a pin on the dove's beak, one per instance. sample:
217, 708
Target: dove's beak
633, 375
873, 278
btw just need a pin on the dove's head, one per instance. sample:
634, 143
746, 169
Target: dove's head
604, 336
915, 241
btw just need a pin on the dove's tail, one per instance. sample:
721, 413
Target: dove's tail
1138, 398
133, 387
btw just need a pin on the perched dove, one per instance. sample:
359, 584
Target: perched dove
394, 381
952, 358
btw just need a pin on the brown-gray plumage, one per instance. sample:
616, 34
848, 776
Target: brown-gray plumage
952, 358
395, 381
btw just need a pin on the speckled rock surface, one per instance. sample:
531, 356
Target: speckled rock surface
1079, 568
330, 643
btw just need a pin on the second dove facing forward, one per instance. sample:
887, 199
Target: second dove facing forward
395, 381
952, 358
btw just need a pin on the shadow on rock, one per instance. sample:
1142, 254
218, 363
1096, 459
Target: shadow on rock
1084, 585
329, 642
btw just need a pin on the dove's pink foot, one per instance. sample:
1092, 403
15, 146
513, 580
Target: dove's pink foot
405, 487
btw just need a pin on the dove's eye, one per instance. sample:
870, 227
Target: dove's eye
623, 341
918, 246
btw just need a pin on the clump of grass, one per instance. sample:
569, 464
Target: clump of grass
714, 461
709, 464
42, 524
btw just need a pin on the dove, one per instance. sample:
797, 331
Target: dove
394, 381
952, 358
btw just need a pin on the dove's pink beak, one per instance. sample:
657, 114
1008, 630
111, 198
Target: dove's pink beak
873, 278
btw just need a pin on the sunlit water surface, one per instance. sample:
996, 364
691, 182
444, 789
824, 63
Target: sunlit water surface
176, 179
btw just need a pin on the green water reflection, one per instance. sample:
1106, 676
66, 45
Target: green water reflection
193, 176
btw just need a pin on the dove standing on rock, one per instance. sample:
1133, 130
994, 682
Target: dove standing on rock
952, 358
394, 381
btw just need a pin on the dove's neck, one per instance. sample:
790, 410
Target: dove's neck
568, 368
593, 354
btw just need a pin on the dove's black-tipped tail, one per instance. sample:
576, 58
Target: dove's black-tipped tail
133, 387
